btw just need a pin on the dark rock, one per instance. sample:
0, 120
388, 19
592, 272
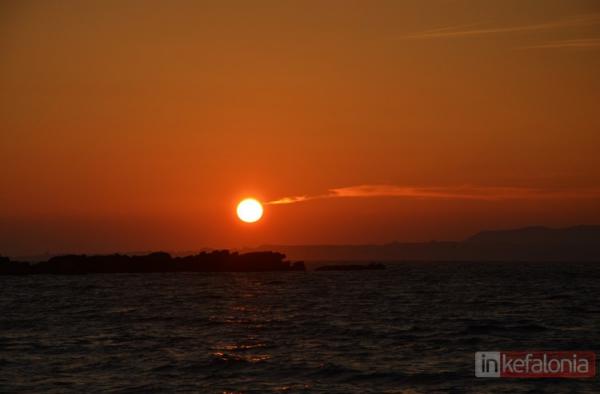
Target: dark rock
216, 261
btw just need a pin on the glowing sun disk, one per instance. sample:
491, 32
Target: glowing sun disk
249, 210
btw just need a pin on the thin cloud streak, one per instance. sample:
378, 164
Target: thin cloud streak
581, 43
464, 31
291, 200
480, 193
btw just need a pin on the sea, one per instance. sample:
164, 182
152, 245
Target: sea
411, 328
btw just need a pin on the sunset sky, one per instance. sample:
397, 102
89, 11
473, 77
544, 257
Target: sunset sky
139, 125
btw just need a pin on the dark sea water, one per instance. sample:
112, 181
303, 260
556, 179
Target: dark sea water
412, 328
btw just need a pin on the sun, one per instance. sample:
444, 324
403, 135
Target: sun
249, 210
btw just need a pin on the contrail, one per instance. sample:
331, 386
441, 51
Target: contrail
482, 193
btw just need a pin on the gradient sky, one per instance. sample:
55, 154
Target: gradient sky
138, 125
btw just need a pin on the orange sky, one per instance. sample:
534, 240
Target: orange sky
138, 125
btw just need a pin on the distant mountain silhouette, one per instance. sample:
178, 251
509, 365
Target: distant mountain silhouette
578, 243
540, 235
216, 261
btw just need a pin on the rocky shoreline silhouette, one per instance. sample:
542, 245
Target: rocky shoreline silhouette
215, 261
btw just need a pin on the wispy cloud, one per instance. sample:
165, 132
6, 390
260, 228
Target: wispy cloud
581, 43
482, 193
291, 200
480, 29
